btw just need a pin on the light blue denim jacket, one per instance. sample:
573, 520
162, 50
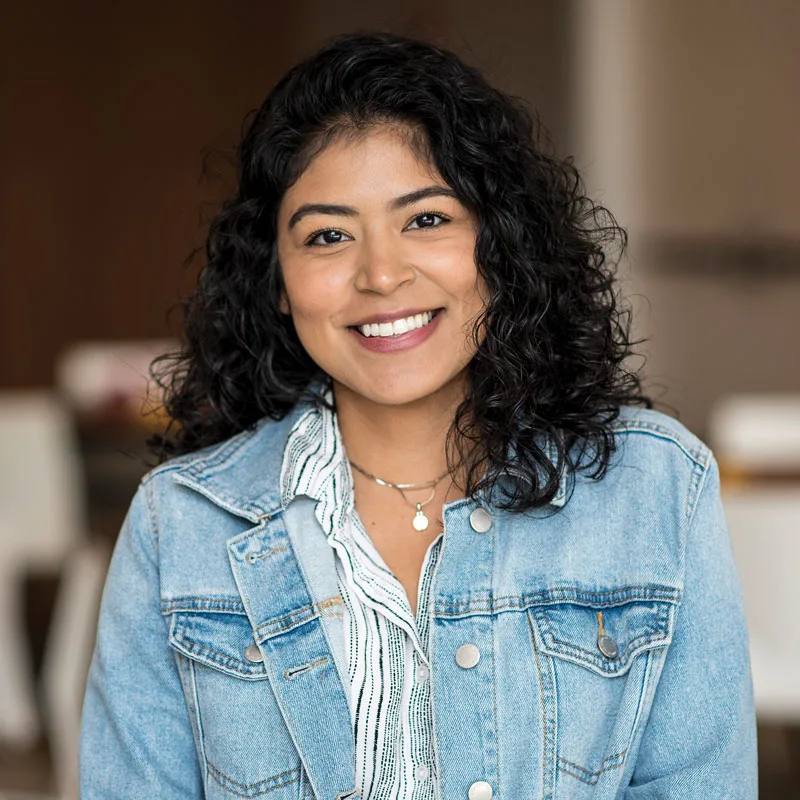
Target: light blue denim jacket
220, 667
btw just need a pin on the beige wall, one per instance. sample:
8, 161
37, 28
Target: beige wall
689, 117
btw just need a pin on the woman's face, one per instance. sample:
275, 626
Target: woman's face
377, 257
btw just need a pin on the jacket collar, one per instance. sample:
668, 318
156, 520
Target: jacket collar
242, 474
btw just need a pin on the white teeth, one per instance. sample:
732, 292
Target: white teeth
398, 326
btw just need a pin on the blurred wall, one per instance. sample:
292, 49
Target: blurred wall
687, 120
106, 111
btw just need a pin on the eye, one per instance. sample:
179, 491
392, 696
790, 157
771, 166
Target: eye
327, 236
428, 219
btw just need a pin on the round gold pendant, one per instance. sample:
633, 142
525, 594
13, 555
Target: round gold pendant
420, 522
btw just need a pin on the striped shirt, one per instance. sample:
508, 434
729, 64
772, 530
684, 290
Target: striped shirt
387, 648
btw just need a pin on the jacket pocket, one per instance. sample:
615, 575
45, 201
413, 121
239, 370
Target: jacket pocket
598, 662
241, 737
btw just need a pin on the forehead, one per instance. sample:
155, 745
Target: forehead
384, 157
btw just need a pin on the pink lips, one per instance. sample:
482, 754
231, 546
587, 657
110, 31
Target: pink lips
403, 341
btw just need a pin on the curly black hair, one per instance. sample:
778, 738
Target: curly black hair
550, 373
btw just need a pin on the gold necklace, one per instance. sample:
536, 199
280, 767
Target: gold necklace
420, 522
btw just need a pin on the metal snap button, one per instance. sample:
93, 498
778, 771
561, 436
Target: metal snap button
607, 646
480, 790
480, 520
467, 656
252, 653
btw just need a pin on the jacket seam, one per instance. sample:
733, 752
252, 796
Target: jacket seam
523, 602
697, 454
588, 776
153, 520
696, 487
548, 734
245, 790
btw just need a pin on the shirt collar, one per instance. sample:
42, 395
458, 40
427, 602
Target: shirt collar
314, 460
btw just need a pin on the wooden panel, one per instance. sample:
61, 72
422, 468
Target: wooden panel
107, 109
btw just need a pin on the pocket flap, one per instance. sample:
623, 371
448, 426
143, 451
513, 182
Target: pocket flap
218, 640
571, 631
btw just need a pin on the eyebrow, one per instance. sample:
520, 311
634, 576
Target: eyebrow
348, 211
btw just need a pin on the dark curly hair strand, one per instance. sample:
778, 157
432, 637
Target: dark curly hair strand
549, 375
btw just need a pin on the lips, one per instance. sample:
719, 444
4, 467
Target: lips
397, 332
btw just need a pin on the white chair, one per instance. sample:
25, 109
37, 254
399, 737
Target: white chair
41, 521
67, 656
757, 437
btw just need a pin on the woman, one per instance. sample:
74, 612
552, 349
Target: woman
418, 540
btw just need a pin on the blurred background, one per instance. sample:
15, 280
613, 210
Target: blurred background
685, 118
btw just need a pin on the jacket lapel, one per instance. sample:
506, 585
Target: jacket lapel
289, 588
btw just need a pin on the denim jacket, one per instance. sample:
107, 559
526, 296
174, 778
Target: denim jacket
612, 648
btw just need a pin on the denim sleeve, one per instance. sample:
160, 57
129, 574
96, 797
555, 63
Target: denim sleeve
700, 740
136, 738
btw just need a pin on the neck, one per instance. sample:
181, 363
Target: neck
400, 444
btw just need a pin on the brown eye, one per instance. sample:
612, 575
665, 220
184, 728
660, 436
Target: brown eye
427, 220
327, 237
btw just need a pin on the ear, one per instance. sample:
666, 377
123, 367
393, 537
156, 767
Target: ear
283, 304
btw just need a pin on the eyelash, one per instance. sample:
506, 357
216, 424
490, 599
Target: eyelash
309, 242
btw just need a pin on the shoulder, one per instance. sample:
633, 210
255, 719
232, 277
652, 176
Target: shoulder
642, 431
658, 464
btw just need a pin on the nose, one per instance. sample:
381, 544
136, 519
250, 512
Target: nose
382, 268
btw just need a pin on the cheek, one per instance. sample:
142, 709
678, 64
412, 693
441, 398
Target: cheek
313, 298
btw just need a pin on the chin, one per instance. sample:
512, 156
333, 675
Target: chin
402, 389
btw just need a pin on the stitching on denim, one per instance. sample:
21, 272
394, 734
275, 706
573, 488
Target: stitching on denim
495, 681
252, 557
152, 517
548, 745
616, 597
614, 665
243, 790
191, 604
558, 647
695, 454
696, 486
587, 776
223, 659
294, 672
192, 703
298, 617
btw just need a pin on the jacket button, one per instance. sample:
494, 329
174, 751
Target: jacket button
467, 656
607, 646
252, 653
480, 520
480, 790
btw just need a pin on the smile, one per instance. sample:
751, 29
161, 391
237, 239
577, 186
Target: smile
396, 327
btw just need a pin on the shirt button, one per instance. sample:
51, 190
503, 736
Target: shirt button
252, 653
423, 673
480, 790
467, 656
422, 773
480, 520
